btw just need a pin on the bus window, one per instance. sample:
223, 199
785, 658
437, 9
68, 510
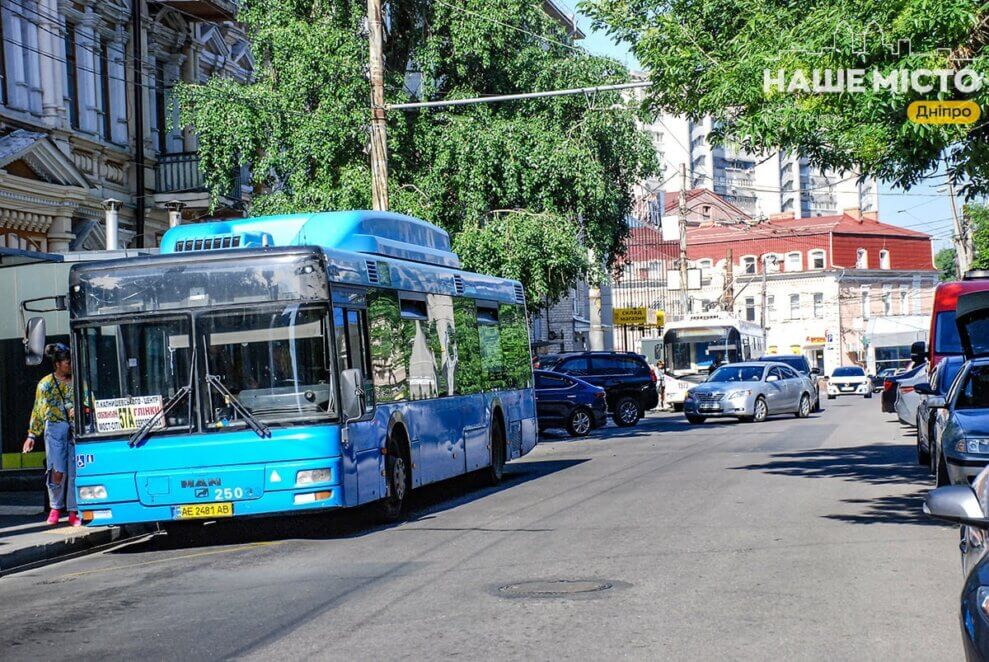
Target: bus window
350, 330
515, 346
442, 341
467, 367
389, 353
419, 336
492, 361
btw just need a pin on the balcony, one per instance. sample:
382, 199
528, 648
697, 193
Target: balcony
206, 10
178, 177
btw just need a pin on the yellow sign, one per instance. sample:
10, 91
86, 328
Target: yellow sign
660, 318
943, 112
630, 316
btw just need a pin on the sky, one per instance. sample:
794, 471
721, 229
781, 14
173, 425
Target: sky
926, 207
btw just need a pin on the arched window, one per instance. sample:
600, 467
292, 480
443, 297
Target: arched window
794, 262
862, 259
816, 259
772, 263
884, 259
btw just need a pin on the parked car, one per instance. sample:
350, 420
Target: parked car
880, 377
907, 398
941, 379
961, 504
566, 402
800, 363
961, 429
749, 391
891, 383
943, 337
849, 380
545, 361
628, 381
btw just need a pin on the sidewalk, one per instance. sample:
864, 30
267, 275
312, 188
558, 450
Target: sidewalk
26, 541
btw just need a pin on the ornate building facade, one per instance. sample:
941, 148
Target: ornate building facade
68, 135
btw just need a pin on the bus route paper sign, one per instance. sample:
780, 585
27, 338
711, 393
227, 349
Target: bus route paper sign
118, 414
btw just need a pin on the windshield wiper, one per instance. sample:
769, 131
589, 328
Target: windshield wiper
149, 424
142, 433
259, 428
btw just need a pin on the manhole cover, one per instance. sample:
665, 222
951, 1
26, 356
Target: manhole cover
554, 588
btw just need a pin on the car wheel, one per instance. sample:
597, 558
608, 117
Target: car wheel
941, 477
677, 406
831, 397
923, 457
868, 395
398, 480
803, 411
626, 412
759, 410
695, 420
817, 404
579, 424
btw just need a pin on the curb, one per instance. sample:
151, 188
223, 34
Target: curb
79, 544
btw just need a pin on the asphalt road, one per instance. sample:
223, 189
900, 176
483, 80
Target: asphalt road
791, 539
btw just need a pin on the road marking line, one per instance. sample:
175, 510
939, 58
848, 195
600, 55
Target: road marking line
239, 548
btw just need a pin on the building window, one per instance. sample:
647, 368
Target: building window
578, 309
887, 299
865, 302
3, 62
748, 264
107, 124
816, 259
705, 266
862, 259
818, 305
884, 259
71, 76
794, 262
771, 308
750, 309
904, 300
794, 306
771, 263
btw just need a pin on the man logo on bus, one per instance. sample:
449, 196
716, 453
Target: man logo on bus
201, 482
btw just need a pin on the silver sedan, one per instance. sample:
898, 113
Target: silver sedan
749, 392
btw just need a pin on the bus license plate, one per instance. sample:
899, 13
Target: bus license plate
204, 511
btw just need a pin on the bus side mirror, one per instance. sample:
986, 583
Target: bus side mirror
352, 394
34, 341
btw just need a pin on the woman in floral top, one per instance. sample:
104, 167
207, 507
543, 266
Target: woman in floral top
52, 417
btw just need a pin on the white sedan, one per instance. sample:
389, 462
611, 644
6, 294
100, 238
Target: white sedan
849, 380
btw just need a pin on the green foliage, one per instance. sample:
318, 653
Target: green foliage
945, 263
564, 163
707, 57
977, 218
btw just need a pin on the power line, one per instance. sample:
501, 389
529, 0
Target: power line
464, 10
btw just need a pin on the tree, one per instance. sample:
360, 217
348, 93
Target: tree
713, 57
977, 219
558, 171
945, 263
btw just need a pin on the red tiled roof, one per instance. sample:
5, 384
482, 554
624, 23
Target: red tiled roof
781, 228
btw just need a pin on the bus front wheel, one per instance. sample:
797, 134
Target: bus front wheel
494, 473
398, 478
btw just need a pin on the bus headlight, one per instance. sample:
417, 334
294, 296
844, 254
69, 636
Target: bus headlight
92, 492
310, 476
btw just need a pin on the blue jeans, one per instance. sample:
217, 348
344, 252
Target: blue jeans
60, 456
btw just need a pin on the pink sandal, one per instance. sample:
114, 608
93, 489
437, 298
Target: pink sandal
53, 517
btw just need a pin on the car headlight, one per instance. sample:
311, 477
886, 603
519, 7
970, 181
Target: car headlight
92, 492
973, 445
311, 476
689, 396
741, 393
982, 598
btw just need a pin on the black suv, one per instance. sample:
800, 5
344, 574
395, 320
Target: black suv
628, 381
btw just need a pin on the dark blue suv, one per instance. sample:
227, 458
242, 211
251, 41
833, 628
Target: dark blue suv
567, 402
628, 381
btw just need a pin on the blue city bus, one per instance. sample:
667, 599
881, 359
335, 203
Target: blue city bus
290, 363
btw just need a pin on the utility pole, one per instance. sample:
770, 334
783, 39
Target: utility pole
729, 294
682, 210
964, 254
765, 260
379, 144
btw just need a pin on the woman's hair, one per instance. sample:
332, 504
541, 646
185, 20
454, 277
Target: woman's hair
57, 352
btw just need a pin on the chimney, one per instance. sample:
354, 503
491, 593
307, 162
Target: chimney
782, 216
871, 216
854, 212
112, 222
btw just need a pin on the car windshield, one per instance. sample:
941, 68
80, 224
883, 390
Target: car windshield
848, 371
275, 362
740, 373
128, 369
974, 393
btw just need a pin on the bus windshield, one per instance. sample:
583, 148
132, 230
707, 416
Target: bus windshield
946, 340
127, 370
693, 350
276, 362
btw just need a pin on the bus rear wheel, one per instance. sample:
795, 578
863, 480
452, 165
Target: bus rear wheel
493, 474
